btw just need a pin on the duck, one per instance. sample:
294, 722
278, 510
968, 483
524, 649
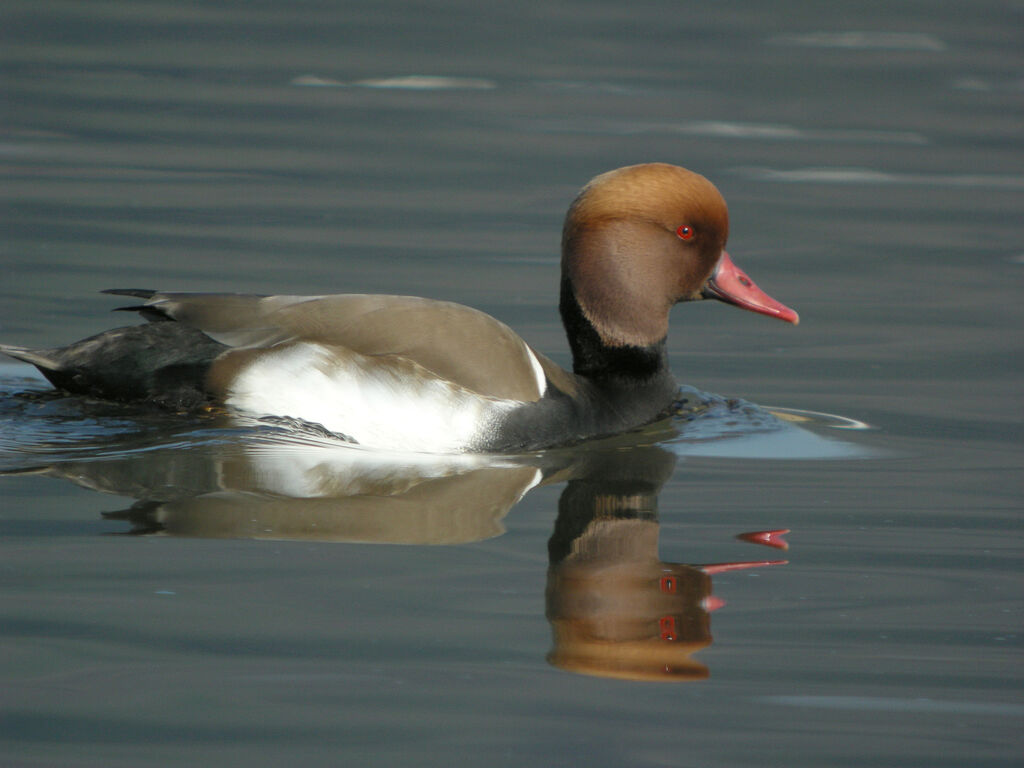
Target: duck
404, 373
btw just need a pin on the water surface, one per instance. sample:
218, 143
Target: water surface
183, 591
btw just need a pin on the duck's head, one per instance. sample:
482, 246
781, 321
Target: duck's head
640, 239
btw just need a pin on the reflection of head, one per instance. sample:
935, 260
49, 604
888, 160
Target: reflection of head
615, 609
626, 661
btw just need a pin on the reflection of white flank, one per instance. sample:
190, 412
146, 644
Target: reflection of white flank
890, 41
311, 469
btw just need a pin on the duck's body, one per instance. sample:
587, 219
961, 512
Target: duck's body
372, 368
405, 373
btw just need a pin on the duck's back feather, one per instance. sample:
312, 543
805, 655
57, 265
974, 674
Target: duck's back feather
455, 342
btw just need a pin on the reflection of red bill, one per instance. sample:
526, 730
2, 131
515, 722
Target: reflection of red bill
712, 603
767, 538
713, 568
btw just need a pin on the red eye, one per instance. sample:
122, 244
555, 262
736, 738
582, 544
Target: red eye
685, 232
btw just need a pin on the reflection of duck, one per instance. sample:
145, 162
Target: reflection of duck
457, 508
617, 610
277, 484
404, 373
308, 490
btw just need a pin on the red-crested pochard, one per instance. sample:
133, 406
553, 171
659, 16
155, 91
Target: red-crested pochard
412, 374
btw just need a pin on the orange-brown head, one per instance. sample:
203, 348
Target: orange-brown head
639, 239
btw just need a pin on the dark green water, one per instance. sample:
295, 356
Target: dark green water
872, 159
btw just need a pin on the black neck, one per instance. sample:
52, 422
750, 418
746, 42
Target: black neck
603, 363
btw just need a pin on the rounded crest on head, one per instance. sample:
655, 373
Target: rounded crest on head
654, 191
623, 257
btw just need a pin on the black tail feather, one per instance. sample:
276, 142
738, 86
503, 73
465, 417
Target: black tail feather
140, 293
147, 311
163, 363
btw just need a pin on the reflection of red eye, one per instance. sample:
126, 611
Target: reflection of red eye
685, 232
667, 625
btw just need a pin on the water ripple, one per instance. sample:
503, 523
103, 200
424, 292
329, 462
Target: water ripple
725, 129
892, 704
840, 175
864, 40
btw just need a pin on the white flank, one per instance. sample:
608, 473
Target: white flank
388, 402
538, 372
